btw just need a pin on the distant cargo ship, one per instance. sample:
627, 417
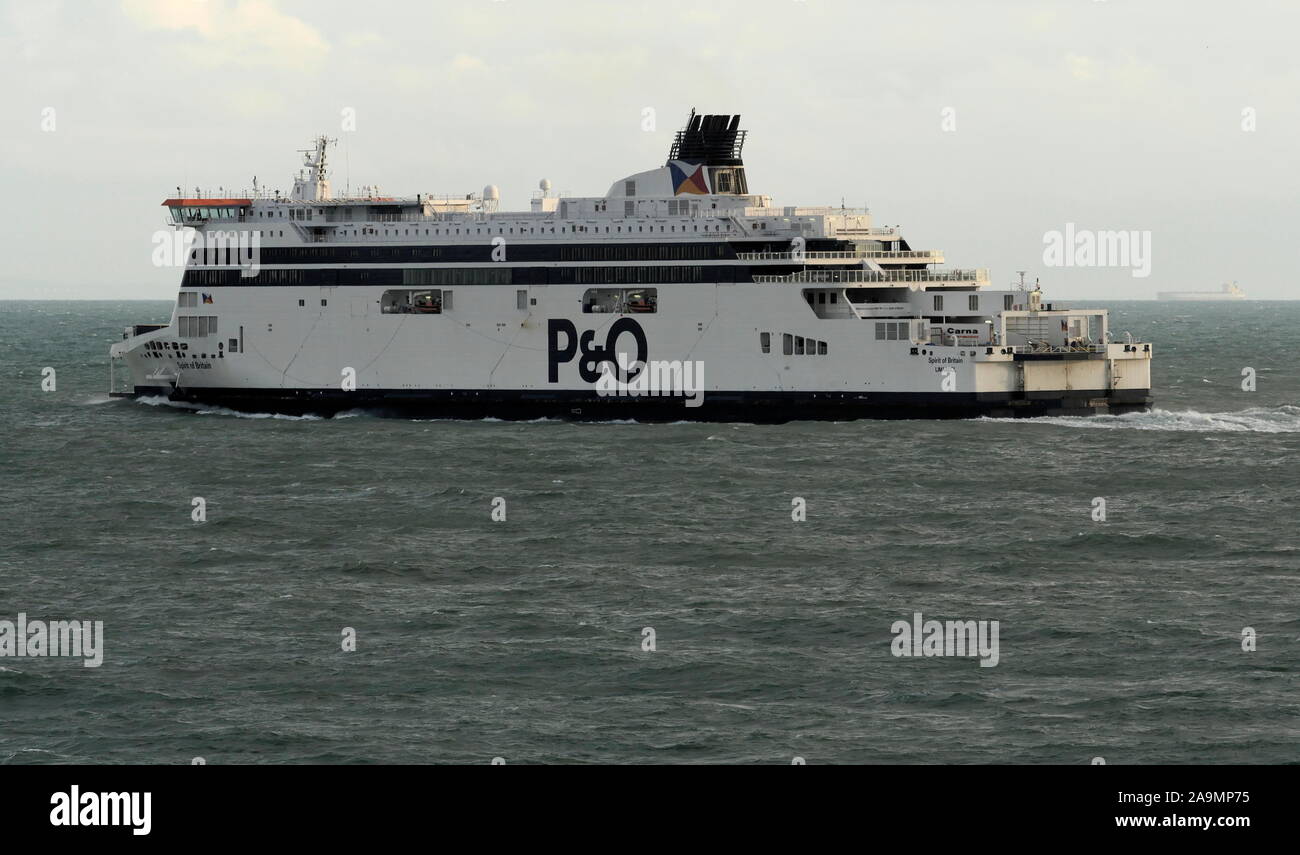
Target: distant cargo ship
1229, 291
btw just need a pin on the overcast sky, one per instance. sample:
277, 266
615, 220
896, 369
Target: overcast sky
977, 126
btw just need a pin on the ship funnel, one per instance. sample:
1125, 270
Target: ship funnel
705, 156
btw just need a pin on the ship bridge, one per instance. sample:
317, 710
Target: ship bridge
197, 211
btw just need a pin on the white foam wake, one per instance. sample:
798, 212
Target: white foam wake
1285, 419
205, 410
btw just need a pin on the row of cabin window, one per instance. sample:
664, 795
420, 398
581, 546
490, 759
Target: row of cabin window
218, 254
629, 211
496, 275
226, 254
675, 209
973, 302
642, 253
268, 277
231, 277
560, 275
306, 214
373, 213
794, 345
457, 276
221, 254
199, 326
629, 275
541, 230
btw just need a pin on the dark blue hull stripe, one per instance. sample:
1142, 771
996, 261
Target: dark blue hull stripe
760, 407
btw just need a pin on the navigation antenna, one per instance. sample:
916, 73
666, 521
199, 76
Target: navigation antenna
316, 158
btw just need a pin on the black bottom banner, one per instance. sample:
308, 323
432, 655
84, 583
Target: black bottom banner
141, 804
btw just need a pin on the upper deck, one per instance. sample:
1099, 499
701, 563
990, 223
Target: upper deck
701, 191
699, 197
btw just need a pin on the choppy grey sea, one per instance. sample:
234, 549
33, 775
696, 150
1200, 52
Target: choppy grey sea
526, 639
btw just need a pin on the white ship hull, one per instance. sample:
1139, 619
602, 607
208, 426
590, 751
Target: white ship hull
494, 360
350, 303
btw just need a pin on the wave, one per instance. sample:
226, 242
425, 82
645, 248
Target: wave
1284, 419
206, 410
213, 410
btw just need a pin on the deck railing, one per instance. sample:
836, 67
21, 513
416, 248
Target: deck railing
1039, 346
901, 254
980, 274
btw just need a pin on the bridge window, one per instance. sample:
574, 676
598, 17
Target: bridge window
798, 345
765, 342
197, 327
787, 344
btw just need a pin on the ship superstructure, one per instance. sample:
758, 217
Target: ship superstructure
592, 307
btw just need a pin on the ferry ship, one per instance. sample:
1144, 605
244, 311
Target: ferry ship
1229, 291
679, 294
